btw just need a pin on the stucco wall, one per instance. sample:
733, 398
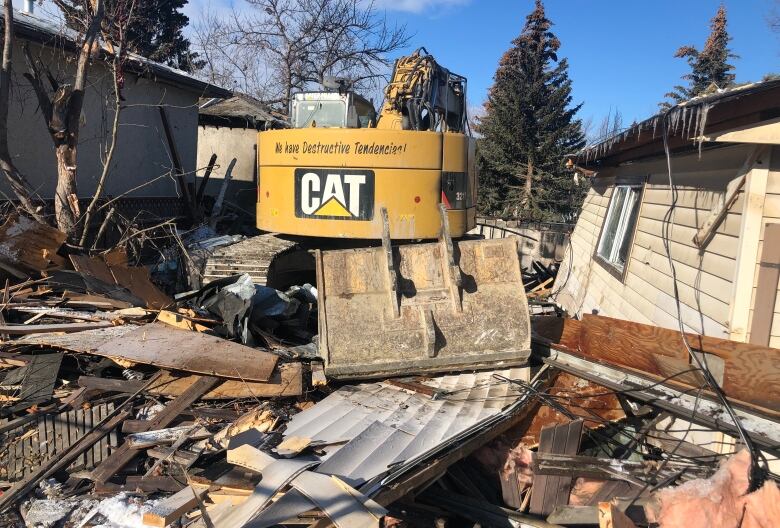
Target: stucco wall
645, 293
141, 156
228, 143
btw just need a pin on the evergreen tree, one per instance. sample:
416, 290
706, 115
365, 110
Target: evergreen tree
710, 65
154, 29
157, 34
528, 128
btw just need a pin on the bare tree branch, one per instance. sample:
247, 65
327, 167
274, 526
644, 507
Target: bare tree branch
277, 47
16, 180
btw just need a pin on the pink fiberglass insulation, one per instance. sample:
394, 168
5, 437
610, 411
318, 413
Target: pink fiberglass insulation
720, 500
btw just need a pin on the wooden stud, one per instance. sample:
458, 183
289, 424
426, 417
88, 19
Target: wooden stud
766, 290
171, 508
745, 268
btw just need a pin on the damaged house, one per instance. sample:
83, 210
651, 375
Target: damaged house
143, 160
227, 128
697, 187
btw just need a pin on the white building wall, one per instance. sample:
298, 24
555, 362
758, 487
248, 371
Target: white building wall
141, 159
645, 293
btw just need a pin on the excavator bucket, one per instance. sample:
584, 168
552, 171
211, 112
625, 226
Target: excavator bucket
419, 308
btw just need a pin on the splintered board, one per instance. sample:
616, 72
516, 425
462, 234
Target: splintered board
748, 372
165, 347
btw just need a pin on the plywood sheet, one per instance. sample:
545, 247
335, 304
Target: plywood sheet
749, 370
162, 346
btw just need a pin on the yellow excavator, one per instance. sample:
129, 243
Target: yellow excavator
370, 206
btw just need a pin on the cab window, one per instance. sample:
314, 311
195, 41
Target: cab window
324, 113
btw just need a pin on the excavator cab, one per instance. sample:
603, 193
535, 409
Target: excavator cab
331, 109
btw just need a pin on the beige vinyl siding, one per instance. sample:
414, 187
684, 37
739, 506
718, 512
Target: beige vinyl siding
771, 216
704, 280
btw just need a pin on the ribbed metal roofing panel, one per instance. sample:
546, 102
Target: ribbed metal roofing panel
375, 425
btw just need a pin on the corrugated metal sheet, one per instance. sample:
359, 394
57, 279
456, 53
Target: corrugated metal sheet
373, 426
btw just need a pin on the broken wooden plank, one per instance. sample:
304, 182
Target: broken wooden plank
120, 457
10, 360
287, 380
413, 384
30, 245
136, 483
180, 321
171, 508
92, 266
165, 347
22, 329
152, 438
318, 378
719, 211
137, 281
182, 457
109, 385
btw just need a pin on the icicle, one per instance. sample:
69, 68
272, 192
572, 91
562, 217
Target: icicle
684, 121
690, 121
677, 113
705, 110
655, 125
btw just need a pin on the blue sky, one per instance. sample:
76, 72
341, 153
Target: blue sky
620, 52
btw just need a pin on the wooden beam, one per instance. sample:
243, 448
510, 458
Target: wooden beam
171, 508
719, 212
766, 290
119, 458
22, 329
179, 170
747, 254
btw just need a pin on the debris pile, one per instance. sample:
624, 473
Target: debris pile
122, 405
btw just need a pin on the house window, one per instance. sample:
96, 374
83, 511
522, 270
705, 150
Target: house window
619, 224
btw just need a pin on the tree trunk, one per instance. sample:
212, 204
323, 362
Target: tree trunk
66, 187
15, 178
529, 178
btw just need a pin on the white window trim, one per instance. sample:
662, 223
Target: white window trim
620, 230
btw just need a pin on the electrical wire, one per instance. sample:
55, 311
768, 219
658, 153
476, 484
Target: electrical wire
757, 474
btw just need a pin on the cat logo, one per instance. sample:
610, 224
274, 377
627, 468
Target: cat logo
334, 194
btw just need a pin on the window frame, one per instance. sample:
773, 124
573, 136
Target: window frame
608, 265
